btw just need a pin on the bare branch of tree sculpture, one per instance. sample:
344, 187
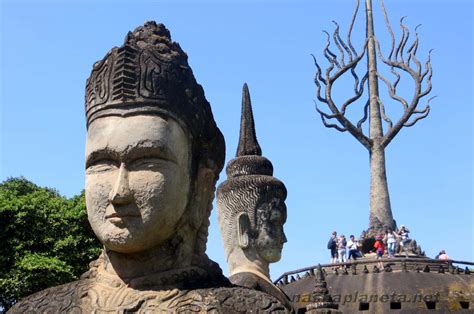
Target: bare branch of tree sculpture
331, 76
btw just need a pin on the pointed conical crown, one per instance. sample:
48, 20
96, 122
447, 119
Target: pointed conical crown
249, 159
248, 144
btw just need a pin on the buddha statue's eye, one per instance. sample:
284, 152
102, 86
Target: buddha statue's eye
148, 163
102, 165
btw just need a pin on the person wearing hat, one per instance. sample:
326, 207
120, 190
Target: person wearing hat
403, 233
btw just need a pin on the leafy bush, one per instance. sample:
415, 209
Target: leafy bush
45, 239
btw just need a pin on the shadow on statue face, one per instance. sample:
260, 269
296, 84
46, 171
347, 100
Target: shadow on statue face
137, 180
270, 235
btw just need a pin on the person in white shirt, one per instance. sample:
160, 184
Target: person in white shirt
352, 248
391, 238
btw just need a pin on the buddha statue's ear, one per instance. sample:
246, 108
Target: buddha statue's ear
243, 230
203, 193
204, 184
202, 198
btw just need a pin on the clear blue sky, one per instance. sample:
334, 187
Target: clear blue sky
47, 52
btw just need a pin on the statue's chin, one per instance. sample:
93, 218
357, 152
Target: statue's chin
122, 247
123, 240
271, 255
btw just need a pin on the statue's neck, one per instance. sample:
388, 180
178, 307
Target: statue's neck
141, 272
129, 266
247, 261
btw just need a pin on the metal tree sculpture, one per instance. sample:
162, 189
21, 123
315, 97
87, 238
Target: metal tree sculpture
401, 58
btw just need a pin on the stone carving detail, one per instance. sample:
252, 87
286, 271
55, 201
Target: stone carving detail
150, 68
98, 85
125, 77
411, 248
321, 299
251, 211
153, 156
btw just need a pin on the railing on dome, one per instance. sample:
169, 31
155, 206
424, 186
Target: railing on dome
403, 263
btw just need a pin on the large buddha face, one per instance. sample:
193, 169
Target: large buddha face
270, 236
137, 180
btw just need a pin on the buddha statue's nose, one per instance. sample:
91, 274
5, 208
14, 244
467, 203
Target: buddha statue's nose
121, 194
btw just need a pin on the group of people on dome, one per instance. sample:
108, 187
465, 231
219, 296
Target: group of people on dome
389, 240
340, 247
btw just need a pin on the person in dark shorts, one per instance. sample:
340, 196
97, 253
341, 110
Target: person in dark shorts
332, 246
352, 247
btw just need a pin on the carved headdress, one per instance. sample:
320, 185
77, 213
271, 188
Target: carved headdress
250, 184
149, 74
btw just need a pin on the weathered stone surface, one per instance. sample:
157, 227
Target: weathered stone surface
137, 180
251, 211
182, 290
153, 155
255, 281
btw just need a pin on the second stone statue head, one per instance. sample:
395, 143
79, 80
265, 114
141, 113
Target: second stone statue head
153, 150
251, 204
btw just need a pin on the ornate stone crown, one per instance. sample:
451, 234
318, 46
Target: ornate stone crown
149, 74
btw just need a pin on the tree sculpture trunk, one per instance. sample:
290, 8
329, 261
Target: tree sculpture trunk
380, 210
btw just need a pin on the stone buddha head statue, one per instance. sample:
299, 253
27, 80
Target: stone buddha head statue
153, 154
251, 204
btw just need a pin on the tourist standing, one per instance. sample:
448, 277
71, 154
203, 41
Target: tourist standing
332, 246
404, 238
391, 238
443, 256
379, 250
352, 247
341, 248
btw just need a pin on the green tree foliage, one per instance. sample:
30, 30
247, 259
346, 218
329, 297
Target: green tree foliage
45, 239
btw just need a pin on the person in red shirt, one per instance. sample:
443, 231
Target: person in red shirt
379, 249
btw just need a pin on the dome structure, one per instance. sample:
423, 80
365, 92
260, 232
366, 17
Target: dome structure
404, 285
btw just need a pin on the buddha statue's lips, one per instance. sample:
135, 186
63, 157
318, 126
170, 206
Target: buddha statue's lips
121, 215
121, 211
121, 220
